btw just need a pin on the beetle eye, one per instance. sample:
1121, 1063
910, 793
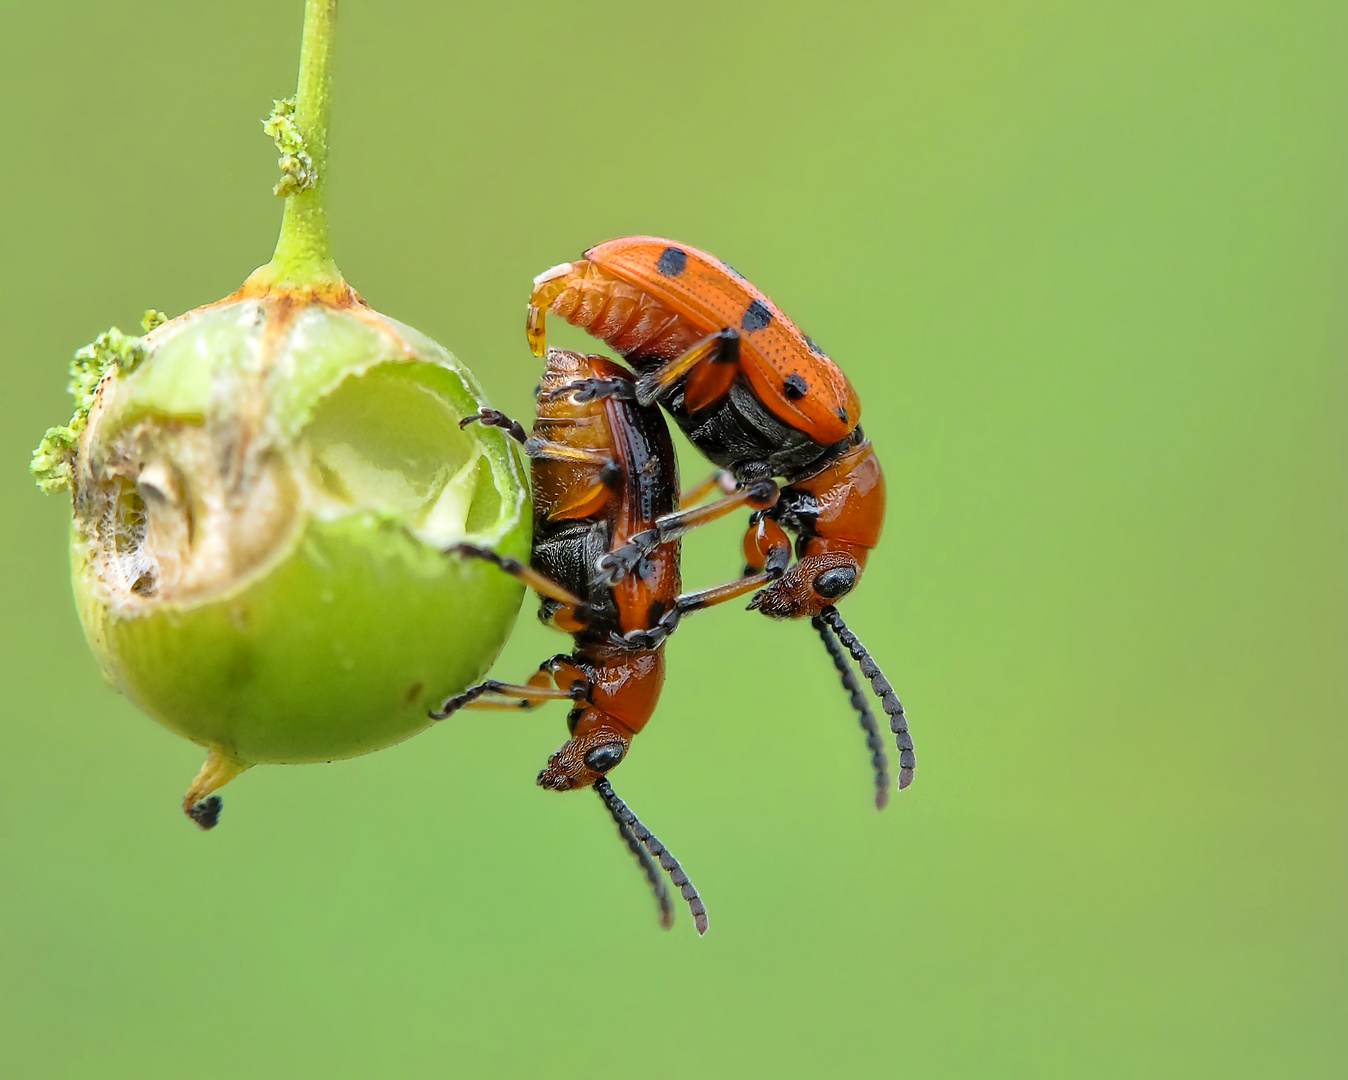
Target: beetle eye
834, 582
604, 756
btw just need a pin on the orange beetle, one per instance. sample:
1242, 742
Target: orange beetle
761, 400
602, 469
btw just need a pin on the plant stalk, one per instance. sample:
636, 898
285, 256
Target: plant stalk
303, 255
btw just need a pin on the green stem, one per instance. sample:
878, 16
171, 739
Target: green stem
303, 255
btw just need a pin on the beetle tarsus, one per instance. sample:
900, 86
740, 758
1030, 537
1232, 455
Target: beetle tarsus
612, 566
497, 419
582, 391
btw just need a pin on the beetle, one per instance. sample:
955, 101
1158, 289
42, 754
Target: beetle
761, 400
602, 469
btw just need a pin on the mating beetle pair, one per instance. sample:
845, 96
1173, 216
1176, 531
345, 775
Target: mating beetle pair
762, 401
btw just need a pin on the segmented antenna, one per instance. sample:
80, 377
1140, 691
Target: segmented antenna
625, 819
652, 871
889, 701
865, 717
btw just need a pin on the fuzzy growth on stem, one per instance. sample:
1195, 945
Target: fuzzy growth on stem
297, 167
112, 351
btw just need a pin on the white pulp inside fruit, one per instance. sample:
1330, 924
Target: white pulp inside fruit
177, 511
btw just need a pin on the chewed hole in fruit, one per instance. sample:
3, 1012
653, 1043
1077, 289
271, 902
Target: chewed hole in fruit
387, 441
184, 509
262, 512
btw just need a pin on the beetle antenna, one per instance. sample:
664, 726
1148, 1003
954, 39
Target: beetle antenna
626, 820
889, 701
652, 871
879, 762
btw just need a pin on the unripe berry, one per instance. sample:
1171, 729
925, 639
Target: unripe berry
264, 491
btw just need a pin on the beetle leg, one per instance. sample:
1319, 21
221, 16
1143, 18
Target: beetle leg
719, 594
527, 696
540, 679
766, 546
497, 419
614, 565
767, 552
535, 446
540, 583
538, 447
517, 695
721, 346
720, 480
585, 390
707, 383
512, 695
655, 636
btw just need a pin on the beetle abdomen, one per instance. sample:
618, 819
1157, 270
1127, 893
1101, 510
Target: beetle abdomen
631, 321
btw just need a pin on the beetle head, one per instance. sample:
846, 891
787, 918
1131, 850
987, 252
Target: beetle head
597, 744
808, 586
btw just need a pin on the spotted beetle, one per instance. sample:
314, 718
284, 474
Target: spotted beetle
761, 400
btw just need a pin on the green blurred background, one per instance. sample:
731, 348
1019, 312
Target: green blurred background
1084, 263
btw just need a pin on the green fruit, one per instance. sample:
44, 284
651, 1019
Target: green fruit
261, 511
267, 492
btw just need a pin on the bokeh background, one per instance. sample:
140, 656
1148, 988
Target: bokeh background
1085, 263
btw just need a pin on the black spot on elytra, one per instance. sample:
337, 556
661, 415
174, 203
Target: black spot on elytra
672, 261
611, 474
814, 345
756, 316
842, 414
732, 271
794, 387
